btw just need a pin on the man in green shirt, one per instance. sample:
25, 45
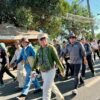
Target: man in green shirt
45, 59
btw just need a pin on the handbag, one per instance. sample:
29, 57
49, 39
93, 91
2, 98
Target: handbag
30, 60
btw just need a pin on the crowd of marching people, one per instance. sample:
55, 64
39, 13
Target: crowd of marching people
70, 58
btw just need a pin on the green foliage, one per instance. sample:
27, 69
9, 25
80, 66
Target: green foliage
77, 9
98, 36
35, 14
24, 17
89, 36
42, 15
54, 27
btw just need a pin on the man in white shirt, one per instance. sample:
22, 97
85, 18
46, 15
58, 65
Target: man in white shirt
95, 47
20, 66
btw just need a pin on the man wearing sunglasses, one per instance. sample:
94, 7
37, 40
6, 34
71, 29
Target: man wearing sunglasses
45, 59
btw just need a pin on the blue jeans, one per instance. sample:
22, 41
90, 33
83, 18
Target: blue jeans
77, 75
28, 80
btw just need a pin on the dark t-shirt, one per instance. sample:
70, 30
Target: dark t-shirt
3, 56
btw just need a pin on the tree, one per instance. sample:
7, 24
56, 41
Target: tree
35, 14
45, 15
74, 26
24, 17
98, 36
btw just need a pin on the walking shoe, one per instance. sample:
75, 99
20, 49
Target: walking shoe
75, 92
21, 97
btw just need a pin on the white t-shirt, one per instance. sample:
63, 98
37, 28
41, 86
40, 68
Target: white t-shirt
16, 55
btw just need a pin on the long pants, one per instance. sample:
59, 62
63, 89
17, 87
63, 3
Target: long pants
96, 52
83, 69
77, 76
28, 80
3, 70
68, 68
90, 63
20, 75
49, 85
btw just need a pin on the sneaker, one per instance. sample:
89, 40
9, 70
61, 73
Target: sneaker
21, 97
75, 92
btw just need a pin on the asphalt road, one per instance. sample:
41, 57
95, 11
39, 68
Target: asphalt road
91, 90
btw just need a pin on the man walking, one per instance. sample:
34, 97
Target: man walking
88, 50
27, 51
4, 66
67, 59
76, 53
20, 67
45, 59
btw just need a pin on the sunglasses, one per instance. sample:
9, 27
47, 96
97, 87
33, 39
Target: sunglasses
72, 37
41, 39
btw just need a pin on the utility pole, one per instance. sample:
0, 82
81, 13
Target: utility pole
89, 10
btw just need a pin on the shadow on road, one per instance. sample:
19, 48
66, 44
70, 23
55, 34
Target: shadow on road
64, 87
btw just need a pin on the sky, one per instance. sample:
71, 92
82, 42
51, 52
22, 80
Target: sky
95, 10
94, 5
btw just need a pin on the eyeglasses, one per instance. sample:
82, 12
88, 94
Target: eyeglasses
41, 39
72, 37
